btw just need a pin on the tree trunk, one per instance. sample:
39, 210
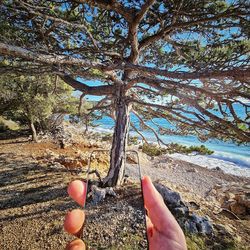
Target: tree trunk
86, 125
33, 131
120, 137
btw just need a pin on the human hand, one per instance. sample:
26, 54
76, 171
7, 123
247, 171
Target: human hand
74, 219
162, 228
164, 233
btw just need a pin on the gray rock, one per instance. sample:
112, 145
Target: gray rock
181, 211
110, 191
99, 194
217, 169
193, 224
171, 198
190, 227
192, 170
203, 225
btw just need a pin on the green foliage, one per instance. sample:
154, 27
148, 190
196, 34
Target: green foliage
133, 140
107, 137
177, 36
7, 125
97, 73
219, 242
84, 116
154, 150
178, 148
34, 99
243, 126
195, 242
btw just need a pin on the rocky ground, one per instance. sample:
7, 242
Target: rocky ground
33, 199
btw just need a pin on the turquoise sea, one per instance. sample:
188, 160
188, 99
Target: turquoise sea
226, 151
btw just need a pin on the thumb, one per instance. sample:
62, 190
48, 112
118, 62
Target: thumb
159, 214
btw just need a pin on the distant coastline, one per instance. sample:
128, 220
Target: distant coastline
230, 158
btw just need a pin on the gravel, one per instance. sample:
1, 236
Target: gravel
190, 176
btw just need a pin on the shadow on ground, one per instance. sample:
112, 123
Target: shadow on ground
26, 185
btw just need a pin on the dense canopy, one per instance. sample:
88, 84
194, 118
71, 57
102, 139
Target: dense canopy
183, 61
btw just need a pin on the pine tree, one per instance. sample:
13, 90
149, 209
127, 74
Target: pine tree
183, 61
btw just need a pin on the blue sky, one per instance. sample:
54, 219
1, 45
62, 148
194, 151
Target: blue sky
89, 83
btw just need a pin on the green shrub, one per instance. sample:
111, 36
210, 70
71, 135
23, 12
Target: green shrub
152, 150
7, 125
177, 148
195, 242
107, 137
133, 140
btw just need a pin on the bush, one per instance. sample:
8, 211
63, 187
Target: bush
178, 148
133, 140
152, 150
7, 125
107, 137
195, 242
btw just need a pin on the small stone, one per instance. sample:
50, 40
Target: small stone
194, 205
247, 186
217, 169
237, 238
238, 209
192, 170
229, 195
217, 186
213, 192
211, 199
110, 191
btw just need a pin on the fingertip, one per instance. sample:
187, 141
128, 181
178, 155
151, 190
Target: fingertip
145, 181
74, 221
146, 177
77, 191
76, 245
147, 185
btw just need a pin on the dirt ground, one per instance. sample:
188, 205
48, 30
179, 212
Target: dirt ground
34, 201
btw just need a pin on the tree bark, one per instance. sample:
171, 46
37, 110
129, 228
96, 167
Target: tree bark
86, 125
33, 131
120, 137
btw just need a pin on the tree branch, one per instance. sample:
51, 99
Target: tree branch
111, 5
237, 73
80, 104
139, 133
149, 40
133, 31
52, 59
159, 140
144, 9
30, 10
98, 90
